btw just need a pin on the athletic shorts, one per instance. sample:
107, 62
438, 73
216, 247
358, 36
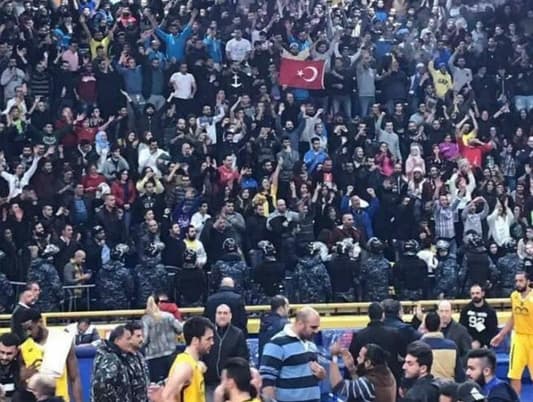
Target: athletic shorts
521, 356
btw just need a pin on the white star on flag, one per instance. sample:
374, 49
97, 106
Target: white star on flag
300, 73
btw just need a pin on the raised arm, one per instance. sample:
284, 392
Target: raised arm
84, 26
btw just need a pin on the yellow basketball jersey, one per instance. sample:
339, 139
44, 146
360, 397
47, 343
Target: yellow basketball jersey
32, 353
522, 313
195, 391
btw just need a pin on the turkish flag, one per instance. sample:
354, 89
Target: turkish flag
303, 74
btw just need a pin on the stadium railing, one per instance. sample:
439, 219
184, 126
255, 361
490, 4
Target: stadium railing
335, 315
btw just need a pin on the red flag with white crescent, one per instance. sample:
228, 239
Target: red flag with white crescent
302, 74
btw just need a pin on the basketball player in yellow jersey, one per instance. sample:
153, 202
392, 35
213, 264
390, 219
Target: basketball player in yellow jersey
185, 382
42, 352
521, 355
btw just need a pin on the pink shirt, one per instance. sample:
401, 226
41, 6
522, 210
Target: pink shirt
73, 60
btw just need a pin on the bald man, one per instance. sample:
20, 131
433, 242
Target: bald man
74, 271
229, 342
289, 366
227, 295
453, 330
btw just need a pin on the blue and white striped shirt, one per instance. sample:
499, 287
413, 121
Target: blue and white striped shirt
285, 366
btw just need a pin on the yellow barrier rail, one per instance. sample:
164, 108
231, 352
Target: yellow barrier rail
324, 309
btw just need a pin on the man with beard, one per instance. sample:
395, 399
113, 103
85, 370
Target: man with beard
292, 354
40, 238
371, 378
521, 322
192, 243
417, 367
481, 367
236, 384
186, 377
9, 367
137, 365
479, 318
51, 351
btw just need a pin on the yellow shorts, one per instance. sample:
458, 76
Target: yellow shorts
521, 356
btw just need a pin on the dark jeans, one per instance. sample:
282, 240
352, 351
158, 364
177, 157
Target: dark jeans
159, 367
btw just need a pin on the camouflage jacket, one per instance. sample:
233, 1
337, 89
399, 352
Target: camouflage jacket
6, 293
111, 376
52, 293
139, 376
376, 273
150, 278
508, 266
446, 275
230, 265
313, 284
115, 286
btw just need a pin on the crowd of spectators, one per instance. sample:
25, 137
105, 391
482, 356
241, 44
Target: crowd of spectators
139, 135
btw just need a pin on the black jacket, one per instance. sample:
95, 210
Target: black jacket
270, 325
457, 333
407, 332
386, 337
500, 391
229, 342
228, 296
423, 390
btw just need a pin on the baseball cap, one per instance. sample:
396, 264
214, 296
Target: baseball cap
470, 392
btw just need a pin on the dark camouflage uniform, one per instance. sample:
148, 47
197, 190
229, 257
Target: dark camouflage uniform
52, 293
139, 376
111, 380
114, 286
312, 281
376, 273
151, 277
230, 265
446, 277
508, 266
6, 293
477, 268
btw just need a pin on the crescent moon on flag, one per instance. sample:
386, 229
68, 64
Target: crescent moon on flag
314, 70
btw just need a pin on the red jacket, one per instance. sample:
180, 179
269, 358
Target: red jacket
171, 308
89, 181
117, 189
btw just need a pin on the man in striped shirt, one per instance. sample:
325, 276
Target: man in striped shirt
289, 366
371, 380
